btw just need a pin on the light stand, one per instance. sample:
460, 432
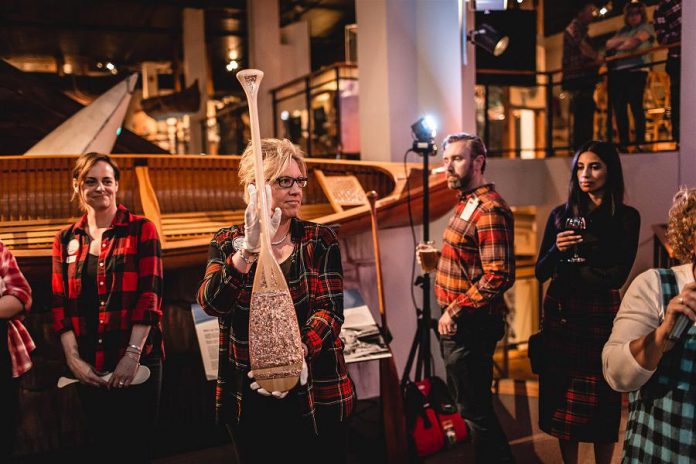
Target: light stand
425, 146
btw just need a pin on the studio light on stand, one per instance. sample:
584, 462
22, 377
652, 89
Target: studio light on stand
423, 132
489, 39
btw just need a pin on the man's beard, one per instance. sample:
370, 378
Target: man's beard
463, 182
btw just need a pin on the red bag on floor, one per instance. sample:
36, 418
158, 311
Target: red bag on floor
431, 416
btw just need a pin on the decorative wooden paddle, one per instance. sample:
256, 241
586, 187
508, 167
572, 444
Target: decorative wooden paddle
393, 418
275, 346
141, 375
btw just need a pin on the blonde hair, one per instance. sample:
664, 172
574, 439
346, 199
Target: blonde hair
681, 226
276, 155
82, 166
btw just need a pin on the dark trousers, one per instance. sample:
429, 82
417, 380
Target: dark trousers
468, 357
272, 430
673, 68
626, 89
121, 421
582, 106
9, 399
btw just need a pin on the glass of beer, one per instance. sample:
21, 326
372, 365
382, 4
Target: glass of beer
429, 256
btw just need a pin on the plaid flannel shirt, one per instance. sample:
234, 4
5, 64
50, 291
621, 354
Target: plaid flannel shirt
129, 277
19, 342
316, 287
668, 23
575, 63
477, 263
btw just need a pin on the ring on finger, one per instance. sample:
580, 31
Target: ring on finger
681, 300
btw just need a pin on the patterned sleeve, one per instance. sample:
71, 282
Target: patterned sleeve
667, 23
14, 282
61, 319
148, 309
326, 316
222, 282
495, 233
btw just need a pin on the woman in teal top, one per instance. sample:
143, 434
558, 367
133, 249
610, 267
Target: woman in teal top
628, 76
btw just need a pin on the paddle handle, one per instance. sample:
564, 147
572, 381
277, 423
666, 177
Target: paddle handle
372, 197
251, 80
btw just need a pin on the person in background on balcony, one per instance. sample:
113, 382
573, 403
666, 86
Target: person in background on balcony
667, 22
639, 358
107, 296
580, 66
308, 423
575, 403
476, 267
627, 77
15, 346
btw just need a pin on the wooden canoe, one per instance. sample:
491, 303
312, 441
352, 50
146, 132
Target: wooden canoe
189, 197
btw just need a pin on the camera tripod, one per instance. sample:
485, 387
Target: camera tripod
420, 347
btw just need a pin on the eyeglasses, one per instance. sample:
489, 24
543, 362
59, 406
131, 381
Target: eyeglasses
286, 182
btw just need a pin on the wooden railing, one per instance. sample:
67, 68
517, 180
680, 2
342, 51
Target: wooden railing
187, 197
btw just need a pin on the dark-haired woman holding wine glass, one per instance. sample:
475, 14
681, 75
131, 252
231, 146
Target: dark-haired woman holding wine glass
588, 250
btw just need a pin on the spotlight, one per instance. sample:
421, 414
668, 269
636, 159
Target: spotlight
424, 129
489, 39
285, 115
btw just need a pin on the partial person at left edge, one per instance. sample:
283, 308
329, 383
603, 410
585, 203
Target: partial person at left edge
107, 296
15, 346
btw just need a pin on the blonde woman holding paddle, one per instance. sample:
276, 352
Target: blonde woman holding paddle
310, 418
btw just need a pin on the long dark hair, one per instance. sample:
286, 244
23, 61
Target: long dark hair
577, 204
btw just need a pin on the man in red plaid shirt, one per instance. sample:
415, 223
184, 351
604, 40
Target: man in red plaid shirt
476, 267
15, 345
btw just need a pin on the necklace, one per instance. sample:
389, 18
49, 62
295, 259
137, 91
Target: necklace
282, 239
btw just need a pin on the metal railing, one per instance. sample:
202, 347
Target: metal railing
556, 127
310, 111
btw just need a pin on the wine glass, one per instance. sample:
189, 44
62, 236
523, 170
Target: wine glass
576, 224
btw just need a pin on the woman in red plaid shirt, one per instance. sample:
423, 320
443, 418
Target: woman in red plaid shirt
307, 423
15, 345
107, 287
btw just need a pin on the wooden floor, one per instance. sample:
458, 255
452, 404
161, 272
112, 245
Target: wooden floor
516, 403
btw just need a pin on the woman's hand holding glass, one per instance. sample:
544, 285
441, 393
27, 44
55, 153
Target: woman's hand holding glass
252, 225
567, 239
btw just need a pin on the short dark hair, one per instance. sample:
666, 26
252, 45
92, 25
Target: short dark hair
476, 145
577, 203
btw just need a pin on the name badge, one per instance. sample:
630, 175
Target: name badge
73, 247
71, 259
470, 208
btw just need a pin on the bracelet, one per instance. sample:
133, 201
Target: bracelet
251, 259
135, 347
